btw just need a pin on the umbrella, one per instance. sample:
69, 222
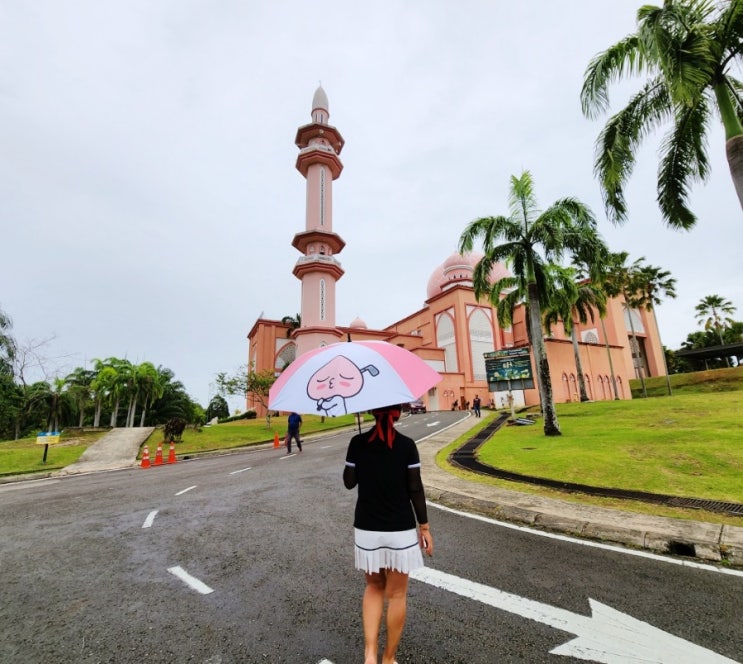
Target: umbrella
351, 377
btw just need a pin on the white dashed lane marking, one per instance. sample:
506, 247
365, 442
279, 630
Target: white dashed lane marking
180, 493
191, 581
149, 520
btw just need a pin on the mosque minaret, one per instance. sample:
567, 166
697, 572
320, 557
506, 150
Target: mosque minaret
318, 269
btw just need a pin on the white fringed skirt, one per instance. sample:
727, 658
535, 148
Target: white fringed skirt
398, 550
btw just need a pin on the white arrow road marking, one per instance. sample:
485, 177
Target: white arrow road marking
325, 661
191, 581
149, 520
433, 424
606, 635
180, 493
242, 470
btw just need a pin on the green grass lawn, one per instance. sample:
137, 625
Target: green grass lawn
690, 445
18, 457
241, 433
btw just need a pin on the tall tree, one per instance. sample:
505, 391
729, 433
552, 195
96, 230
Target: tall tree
79, 386
574, 302
529, 239
651, 285
713, 312
151, 385
619, 280
7, 344
687, 50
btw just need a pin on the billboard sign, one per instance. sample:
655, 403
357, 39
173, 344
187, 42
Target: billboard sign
509, 369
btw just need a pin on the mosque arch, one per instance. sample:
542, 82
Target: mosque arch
286, 355
574, 396
481, 342
566, 386
446, 339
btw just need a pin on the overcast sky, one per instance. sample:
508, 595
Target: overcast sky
147, 183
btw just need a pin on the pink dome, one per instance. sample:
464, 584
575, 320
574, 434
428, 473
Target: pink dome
459, 268
358, 323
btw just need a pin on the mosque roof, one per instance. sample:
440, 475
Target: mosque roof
459, 268
358, 324
320, 100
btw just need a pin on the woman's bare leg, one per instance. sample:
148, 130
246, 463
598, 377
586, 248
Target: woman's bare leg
372, 608
396, 591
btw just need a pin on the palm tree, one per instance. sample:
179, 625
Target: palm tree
7, 344
574, 303
293, 322
714, 311
687, 49
152, 384
79, 384
650, 283
619, 279
566, 227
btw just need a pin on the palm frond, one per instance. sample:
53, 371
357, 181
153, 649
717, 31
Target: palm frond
622, 59
684, 159
618, 142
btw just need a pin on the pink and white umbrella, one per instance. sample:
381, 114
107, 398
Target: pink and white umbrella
351, 377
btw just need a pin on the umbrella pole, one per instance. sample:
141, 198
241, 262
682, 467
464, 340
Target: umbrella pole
358, 421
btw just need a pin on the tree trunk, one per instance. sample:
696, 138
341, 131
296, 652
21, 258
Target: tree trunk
640, 369
141, 419
551, 425
82, 416
734, 152
578, 365
115, 413
97, 416
611, 364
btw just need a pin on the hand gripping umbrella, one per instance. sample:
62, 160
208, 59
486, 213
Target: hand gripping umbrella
351, 377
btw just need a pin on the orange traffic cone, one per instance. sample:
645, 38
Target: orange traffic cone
159, 455
171, 454
276, 440
145, 457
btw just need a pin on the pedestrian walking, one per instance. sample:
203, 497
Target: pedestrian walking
476, 405
385, 466
294, 424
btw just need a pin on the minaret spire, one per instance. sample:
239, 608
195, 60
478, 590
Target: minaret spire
320, 145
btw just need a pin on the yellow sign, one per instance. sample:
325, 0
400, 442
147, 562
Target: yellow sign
47, 437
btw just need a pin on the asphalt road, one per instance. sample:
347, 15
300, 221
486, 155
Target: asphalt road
247, 558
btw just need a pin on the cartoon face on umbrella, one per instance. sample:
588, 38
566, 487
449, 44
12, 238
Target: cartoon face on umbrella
335, 382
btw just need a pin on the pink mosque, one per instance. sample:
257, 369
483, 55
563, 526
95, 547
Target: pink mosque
453, 330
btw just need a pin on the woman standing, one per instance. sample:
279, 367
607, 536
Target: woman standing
385, 466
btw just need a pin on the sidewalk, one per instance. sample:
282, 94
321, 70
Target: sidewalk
705, 541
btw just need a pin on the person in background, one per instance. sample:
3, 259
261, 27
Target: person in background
294, 424
476, 405
385, 466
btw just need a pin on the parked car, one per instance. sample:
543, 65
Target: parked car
417, 407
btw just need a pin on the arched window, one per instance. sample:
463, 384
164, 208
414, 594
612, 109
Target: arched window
481, 342
574, 396
285, 356
589, 386
445, 339
322, 196
322, 299
566, 387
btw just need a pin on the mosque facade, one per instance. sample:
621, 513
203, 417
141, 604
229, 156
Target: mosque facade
453, 331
